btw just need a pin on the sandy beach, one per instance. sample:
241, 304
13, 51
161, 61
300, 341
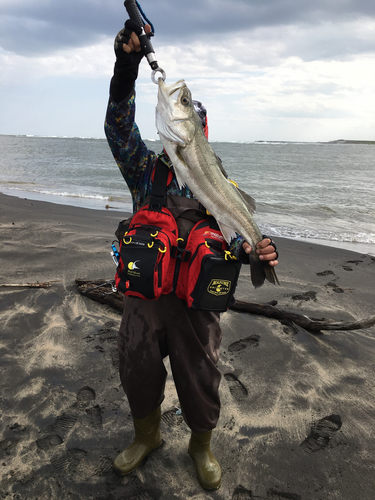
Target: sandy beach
298, 409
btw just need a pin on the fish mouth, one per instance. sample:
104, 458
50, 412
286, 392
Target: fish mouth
168, 91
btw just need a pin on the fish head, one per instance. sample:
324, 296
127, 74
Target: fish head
176, 118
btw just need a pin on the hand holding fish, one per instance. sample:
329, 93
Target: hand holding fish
266, 251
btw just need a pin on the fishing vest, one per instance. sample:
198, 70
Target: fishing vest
172, 245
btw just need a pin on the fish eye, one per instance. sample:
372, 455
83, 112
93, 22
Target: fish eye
185, 101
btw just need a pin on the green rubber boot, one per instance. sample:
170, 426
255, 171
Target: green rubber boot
147, 439
208, 468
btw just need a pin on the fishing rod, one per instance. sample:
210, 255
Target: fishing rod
134, 10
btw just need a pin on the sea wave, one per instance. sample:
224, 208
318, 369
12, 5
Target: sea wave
64, 194
359, 242
32, 136
293, 232
18, 183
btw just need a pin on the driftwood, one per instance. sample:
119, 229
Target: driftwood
312, 324
45, 284
101, 291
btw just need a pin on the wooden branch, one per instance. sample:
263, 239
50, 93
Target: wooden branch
45, 284
101, 291
311, 324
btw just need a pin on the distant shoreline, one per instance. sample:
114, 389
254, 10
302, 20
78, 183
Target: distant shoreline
345, 141
337, 141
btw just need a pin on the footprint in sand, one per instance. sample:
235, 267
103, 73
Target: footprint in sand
305, 296
241, 344
84, 397
237, 389
241, 493
7, 445
49, 442
325, 273
69, 461
103, 466
108, 332
171, 418
282, 495
65, 422
321, 433
335, 287
95, 416
140, 495
289, 327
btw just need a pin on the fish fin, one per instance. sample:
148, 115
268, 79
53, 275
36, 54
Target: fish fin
180, 182
219, 162
228, 232
261, 271
246, 198
249, 201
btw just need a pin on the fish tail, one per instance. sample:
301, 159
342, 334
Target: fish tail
257, 271
271, 274
261, 271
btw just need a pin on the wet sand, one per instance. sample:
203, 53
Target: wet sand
298, 409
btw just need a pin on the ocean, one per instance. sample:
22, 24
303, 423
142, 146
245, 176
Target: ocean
318, 192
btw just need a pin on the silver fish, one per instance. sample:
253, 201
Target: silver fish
197, 166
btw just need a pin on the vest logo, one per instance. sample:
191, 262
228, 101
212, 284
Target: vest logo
213, 235
132, 269
219, 287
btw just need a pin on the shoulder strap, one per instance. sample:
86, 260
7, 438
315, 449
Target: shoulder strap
159, 186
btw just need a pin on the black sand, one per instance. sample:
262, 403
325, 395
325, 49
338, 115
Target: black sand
298, 411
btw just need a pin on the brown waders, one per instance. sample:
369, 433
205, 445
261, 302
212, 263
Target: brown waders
150, 331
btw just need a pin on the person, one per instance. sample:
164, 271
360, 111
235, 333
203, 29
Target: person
151, 330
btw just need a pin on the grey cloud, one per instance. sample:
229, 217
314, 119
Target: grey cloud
32, 28
236, 15
41, 26
330, 41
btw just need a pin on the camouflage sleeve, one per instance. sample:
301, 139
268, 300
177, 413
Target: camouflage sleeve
236, 249
132, 156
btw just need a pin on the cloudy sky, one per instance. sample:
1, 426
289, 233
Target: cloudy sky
292, 70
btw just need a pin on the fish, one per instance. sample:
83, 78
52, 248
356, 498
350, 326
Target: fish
197, 166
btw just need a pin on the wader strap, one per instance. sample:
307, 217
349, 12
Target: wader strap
159, 186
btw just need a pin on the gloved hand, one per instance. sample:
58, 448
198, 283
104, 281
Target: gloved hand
266, 249
128, 56
125, 36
